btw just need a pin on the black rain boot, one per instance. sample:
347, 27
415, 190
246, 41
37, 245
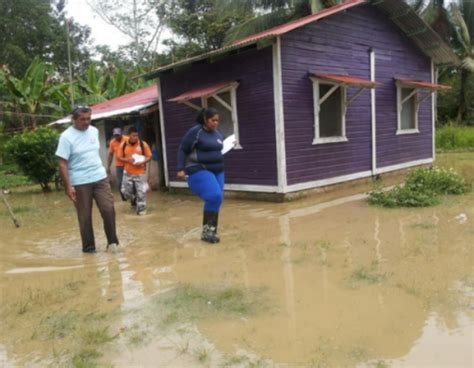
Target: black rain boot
209, 227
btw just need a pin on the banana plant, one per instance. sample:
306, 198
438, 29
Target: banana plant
32, 93
93, 88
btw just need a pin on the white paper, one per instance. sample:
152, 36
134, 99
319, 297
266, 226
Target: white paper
138, 158
228, 144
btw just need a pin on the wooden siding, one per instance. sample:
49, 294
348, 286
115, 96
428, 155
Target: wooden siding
340, 45
256, 162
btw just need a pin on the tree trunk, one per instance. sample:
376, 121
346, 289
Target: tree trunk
45, 187
462, 109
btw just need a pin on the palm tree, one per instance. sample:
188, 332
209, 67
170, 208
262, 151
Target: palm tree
462, 18
271, 13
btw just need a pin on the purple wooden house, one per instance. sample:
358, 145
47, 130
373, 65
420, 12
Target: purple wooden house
343, 94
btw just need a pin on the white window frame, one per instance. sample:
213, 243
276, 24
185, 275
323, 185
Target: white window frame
318, 100
232, 87
400, 130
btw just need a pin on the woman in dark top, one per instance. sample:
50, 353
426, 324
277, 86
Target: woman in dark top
200, 158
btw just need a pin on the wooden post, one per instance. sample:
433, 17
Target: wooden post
15, 221
159, 148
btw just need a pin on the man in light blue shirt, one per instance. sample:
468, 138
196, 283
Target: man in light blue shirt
85, 178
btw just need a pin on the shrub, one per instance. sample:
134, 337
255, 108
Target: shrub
438, 181
422, 189
34, 153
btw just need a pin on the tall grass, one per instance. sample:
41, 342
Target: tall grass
454, 137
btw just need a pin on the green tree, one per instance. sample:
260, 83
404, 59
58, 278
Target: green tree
36, 28
462, 17
34, 153
270, 13
202, 24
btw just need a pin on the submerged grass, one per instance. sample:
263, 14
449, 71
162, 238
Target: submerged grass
189, 303
368, 275
422, 188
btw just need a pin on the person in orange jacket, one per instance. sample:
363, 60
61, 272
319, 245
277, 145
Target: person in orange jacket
114, 148
135, 154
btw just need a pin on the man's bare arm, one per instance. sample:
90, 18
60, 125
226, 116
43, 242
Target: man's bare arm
63, 171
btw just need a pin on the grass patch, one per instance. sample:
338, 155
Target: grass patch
96, 336
422, 188
86, 358
424, 225
57, 326
368, 275
202, 355
11, 176
189, 303
455, 138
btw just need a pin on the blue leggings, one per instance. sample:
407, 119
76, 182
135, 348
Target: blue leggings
209, 187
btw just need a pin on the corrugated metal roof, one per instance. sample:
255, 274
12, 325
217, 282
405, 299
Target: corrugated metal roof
290, 26
397, 11
421, 84
200, 92
418, 30
346, 79
131, 102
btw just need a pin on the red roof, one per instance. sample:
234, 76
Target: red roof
421, 84
287, 27
131, 102
200, 92
144, 96
346, 79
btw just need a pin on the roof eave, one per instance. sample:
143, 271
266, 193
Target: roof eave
186, 63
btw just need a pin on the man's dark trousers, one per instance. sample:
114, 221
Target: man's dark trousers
101, 193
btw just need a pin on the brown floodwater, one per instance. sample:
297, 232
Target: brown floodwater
333, 282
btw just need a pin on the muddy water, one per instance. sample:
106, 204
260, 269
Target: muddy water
341, 283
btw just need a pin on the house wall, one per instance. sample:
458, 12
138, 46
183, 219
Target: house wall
340, 44
255, 164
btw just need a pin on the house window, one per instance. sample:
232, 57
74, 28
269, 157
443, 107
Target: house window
407, 110
225, 102
329, 112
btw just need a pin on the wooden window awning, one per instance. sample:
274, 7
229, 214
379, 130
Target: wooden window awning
202, 93
340, 80
421, 85
345, 79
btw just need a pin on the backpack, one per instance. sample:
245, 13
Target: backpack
125, 145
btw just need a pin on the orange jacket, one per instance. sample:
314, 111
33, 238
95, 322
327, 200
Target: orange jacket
128, 151
114, 147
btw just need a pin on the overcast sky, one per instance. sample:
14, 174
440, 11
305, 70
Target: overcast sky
102, 33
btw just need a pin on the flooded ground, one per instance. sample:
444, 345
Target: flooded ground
327, 281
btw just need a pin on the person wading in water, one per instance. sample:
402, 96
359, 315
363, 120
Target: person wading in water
200, 157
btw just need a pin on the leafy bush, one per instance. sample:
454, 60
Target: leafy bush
402, 196
34, 153
452, 137
438, 181
422, 189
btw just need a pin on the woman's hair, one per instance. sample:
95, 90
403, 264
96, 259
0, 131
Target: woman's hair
205, 114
